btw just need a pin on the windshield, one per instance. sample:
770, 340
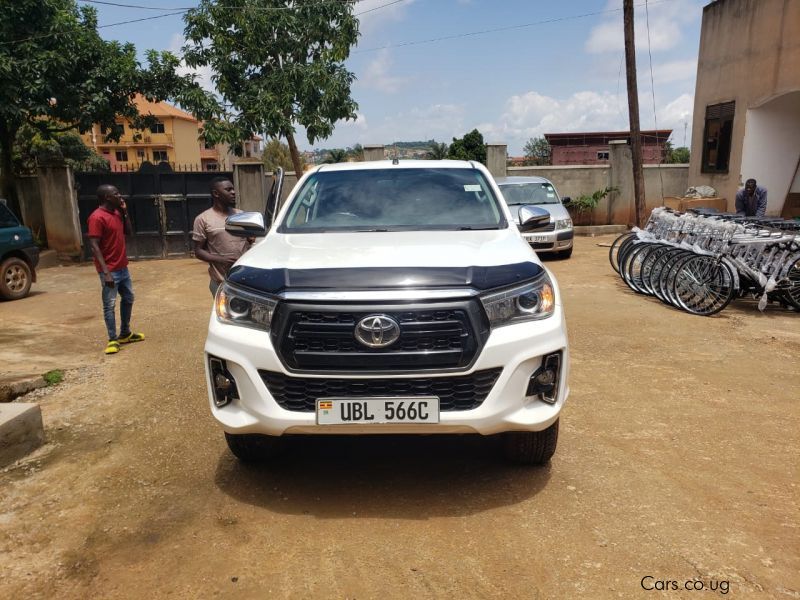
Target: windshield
529, 193
7, 218
394, 199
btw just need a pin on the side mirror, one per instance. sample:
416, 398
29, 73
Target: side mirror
566, 200
246, 224
532, 218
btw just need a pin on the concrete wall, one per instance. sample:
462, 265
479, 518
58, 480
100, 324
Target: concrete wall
750, 54
30, 203
253, 185
60, 208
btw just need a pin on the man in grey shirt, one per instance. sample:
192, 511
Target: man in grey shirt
751, 201
212, 243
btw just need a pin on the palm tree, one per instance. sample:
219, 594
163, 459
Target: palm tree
336, 155
437, 151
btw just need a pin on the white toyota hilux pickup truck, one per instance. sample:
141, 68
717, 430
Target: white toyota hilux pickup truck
389, 297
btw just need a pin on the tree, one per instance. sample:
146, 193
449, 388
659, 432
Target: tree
437, 151
276, 154
356, 153
678, 155
470, 147
275, 69
57, 74
31, 149
337, 155
538, 151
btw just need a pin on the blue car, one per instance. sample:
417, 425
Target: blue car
18, 256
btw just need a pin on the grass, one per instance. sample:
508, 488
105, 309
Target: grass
53, 377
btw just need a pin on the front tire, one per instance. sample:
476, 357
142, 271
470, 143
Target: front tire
253, 447
15, 279
531, 447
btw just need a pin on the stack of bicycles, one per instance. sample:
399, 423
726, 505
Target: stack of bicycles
700, 261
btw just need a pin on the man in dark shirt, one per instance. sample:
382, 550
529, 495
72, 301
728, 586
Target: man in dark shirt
108, 225
751, 201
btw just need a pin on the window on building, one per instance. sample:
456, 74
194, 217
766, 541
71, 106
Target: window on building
717, 137
602, 156
122, 155
157, 128
212, 166
160, 156
140, 155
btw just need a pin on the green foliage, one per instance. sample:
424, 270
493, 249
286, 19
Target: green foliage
32, 148
53, 377
276, 154
274, 69
680, 156
337, 155
438, 151
356, 153
470, 147
537, 151
57, 74
589, 203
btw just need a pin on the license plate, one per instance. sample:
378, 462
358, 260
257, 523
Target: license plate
538, 238
367, 411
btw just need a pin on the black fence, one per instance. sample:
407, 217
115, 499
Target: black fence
162, 208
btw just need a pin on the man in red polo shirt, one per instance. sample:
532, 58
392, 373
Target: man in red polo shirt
108, 225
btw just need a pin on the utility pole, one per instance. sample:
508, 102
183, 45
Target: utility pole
633, 112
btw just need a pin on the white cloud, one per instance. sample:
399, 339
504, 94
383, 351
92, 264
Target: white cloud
533, 114
376, 75
374, 14
667, 21
204, 74
676, 70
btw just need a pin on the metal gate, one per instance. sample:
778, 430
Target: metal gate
162, 208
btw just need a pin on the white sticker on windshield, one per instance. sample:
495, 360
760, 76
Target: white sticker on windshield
549, 195
472, 187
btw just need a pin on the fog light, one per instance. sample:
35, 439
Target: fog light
222, 382
543, 384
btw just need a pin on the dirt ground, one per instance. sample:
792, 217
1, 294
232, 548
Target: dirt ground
677, 461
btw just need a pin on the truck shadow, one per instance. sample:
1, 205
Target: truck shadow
405, 477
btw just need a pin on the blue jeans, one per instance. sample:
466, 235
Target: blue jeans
124, 286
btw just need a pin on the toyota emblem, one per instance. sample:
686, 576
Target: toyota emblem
377, 331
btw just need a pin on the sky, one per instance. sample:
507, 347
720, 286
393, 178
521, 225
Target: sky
513, 69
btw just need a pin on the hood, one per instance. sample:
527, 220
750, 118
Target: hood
372, 260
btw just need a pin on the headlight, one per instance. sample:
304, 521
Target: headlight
237, 307
564, 224
532, 301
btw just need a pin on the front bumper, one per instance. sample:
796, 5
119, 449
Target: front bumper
551, 241
516, 349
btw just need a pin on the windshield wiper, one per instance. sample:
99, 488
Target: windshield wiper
469, 228
371, 230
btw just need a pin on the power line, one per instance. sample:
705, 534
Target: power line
47, 35
498, 29
187, 8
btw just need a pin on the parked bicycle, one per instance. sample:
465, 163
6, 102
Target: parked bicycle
700, 261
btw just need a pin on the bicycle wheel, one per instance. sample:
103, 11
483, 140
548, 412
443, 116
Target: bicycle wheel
660, 270
625, 248
792, 293
631, 270
669, 283
647, 267
613, 252
705, 285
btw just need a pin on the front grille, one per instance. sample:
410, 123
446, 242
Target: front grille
541, 245
433, 337
551, 226
461, 392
